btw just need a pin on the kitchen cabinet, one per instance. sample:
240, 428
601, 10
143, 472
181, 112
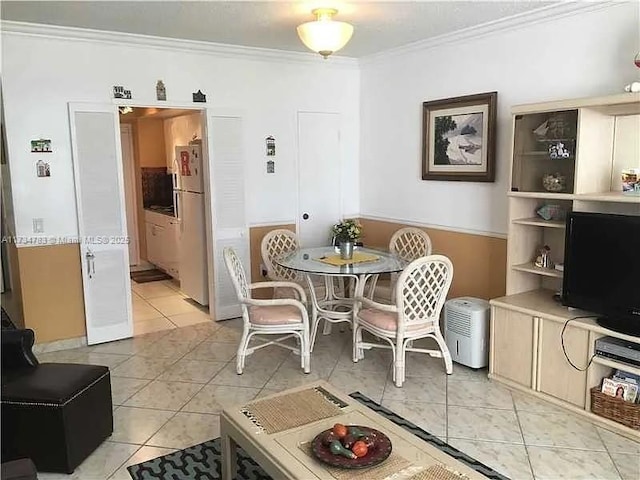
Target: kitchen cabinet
162, 233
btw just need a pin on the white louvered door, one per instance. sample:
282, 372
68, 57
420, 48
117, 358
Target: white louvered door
102, 227
226, 165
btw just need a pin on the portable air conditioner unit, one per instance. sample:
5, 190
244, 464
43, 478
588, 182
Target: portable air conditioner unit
466, 330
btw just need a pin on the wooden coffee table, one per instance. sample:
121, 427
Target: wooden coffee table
282, 454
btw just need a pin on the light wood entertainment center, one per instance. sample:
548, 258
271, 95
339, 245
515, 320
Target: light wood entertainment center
599, 137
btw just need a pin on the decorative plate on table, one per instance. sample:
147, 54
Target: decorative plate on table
376, 454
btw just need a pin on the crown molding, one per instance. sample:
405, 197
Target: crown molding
533, 17
174, 44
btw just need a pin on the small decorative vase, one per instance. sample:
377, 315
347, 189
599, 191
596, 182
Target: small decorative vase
346, 250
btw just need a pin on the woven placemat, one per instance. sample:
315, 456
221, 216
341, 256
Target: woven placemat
358, 257
292, 410
394, 464
438, 472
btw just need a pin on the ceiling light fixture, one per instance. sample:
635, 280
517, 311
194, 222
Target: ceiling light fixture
125, 110
324, 35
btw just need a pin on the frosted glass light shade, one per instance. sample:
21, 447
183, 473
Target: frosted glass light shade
324, 35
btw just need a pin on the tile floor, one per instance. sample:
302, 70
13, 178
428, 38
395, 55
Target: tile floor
169, 387
161, 306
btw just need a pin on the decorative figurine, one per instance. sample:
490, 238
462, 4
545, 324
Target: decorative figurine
544, 259
120, 92
161, 92
271, 146
199, 97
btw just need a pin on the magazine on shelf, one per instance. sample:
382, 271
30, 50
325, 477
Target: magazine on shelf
620, 389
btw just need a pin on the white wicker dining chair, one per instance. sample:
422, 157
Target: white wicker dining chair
275, 244
408, 243
421, 291
281, 316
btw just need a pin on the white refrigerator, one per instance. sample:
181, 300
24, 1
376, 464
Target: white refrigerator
188, 191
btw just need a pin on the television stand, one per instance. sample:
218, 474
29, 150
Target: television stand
526, 353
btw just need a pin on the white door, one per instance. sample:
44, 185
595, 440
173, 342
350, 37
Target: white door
319, 202
97, 165
131, 204
229, 224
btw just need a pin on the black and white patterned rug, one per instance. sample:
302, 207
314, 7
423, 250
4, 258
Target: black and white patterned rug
202, 462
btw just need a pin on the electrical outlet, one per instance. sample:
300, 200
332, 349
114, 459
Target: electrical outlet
38, 225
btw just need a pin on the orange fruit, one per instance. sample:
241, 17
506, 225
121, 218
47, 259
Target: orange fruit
339, 430
360, 448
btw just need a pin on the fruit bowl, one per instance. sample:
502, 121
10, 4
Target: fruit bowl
377, 453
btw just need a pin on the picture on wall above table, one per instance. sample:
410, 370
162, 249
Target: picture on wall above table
458, 138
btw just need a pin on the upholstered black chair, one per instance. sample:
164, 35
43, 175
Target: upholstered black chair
56, 414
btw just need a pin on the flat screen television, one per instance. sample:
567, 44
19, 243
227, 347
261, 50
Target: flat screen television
602, 268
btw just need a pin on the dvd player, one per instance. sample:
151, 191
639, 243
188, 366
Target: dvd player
618, 349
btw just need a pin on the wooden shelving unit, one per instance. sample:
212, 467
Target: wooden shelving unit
526, 325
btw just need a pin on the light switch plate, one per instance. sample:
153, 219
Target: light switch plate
38, 225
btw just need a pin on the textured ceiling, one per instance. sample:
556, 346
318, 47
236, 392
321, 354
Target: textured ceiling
378, 26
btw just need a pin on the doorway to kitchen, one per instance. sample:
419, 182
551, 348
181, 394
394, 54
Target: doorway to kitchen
163, 169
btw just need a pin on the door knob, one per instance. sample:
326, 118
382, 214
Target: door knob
305, 216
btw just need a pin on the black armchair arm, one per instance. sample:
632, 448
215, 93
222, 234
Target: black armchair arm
16, 349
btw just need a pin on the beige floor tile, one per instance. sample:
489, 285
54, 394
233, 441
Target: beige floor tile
213, 352
423, 365
172, 283
142, 367
628, 465
525, 402
289, 377
169, 347
255, 376
137, 425
487, 424
164, 395
61, 356
429, 416
461, 372
510, 460
323, 359
187, 429
617, 443
129, 346
226, 334
123, 388
368, 383
174, 305
559, 430
418, 389
190, 318
195, 371
213, 398
153, 290
152, 325
375, 360
106, 359
561, 463
142, 455
478, 394
142, 310
198, 331
103, 462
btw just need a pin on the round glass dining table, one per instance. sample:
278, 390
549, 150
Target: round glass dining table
335, 306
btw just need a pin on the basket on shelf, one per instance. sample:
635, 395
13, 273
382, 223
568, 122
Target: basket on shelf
615, 409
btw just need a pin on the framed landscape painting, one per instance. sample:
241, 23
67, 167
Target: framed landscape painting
458, 138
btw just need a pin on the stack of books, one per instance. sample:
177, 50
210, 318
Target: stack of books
623, 385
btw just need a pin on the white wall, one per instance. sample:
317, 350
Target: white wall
41, 74
180, 131
585, 54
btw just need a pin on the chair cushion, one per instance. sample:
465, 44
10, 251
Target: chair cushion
274, 315
52, 382
384, 320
